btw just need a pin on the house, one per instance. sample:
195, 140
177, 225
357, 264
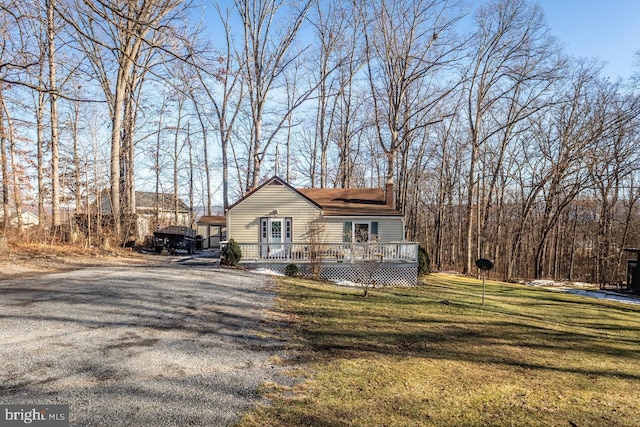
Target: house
277, 224
160, 209
213, 229
28, 219
153, 211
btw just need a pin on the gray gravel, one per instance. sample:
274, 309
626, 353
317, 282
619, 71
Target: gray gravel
179, 344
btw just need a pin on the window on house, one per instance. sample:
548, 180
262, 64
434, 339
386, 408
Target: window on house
263, 226
276, 230
288, 228
361, 231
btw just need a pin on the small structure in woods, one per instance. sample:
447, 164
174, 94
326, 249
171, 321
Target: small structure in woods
213, 229
633, 273
27, 219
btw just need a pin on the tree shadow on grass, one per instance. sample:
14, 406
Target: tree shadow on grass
338, 324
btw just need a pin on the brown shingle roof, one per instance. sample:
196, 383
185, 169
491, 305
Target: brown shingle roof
145, 199
213, 220
338, 201
350, 201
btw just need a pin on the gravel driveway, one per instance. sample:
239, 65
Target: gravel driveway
158, 345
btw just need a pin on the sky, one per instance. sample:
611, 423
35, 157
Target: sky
604, 29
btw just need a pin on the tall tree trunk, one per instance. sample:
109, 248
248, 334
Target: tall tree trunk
40, 126
3, 164
257, 146
176, 155
225, 173
191, 203
205, 153
76, 157
17, 195
53, 101
468, 254
116, 128
574, 235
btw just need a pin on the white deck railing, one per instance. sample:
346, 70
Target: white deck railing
329, 252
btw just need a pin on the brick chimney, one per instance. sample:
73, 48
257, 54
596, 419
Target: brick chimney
388, 194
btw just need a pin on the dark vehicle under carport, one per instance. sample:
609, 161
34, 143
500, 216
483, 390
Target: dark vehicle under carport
175, 239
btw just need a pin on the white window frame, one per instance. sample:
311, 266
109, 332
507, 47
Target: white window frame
353, 229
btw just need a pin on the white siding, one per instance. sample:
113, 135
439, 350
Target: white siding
243, 220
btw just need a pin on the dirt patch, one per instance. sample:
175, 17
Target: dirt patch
23, 260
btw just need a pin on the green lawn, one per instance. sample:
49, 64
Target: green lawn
433, 355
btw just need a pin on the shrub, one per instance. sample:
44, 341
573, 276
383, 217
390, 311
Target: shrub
231, 253
424, 264
291, 270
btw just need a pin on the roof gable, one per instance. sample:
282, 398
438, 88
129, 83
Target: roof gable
275, 180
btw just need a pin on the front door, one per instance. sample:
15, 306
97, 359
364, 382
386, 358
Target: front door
276, 237
274, 234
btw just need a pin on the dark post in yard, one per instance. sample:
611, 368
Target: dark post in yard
484, 265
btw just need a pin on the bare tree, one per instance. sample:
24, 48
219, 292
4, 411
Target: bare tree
530, 178
405, 45
562, 140
511, 70
12, 63
330, 20
200, 114
53, 107
267, 51
124, 35
17, 171
74, 125
223, 70
609, 163
447, 172
632, 192
340, 105
37, 28
3, 163
178, 146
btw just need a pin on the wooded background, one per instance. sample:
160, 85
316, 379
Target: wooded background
499, 145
